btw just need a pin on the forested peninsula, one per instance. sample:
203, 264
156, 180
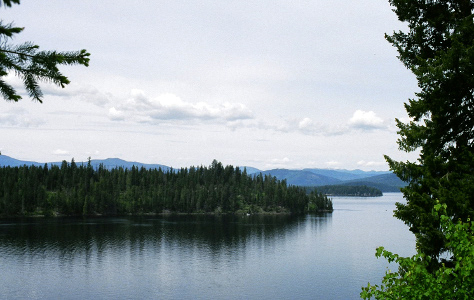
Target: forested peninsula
79, 189
350, 190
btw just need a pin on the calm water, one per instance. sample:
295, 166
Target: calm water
329, 256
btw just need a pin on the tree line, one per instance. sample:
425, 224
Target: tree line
79, 189
350, 190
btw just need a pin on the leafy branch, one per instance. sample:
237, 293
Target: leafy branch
415, 280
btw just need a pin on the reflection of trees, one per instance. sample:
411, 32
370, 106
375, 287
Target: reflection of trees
92, 240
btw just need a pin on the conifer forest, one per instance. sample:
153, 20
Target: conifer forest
79, 189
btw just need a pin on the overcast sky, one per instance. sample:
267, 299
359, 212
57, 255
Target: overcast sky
264, 83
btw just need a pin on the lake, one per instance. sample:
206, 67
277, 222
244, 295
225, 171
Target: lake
326, 256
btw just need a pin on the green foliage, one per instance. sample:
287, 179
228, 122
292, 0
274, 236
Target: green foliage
438, 48
72, 189
30, 64
319, 202
416, 280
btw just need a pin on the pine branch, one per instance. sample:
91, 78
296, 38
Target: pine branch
8, 3
21, 54
68, 58
33, 88
32, 65
8, 30
8, 92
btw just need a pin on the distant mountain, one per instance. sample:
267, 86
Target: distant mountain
108, 163
9, 161
346, 174
111, 163
385, 182
382, 180
250, 170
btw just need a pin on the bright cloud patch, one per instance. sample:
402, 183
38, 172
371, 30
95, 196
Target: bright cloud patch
116, 115
366, 120
277, 163
364, 163
167, 107
280, 160
333, 164
61, 152
309, 127
305, 123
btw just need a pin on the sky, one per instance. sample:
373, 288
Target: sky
264, 83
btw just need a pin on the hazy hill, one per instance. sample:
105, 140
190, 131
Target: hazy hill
345, 175
250, 170
385, 182
9, 161
111, 163
108, 163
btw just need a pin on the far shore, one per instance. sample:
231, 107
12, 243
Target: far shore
163, 213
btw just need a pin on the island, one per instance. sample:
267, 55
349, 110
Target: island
79, 189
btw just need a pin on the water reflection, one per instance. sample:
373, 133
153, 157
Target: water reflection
67, 238
327, 256
168, 257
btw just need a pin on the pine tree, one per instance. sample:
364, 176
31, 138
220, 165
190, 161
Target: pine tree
31, 65
439, 49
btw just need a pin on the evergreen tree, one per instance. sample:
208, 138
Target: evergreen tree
439, 49
30, 64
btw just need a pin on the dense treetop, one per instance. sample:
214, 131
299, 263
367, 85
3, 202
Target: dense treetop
72, 189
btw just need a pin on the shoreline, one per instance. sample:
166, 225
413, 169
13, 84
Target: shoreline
165, 213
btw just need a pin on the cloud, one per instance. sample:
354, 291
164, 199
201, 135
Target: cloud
94, 153
363, 163
115, 115
281, 126
237, 70
333, 164
169, 107
280, 160
61, 152
304, 126
81, 92
75, 91
305, 123
277, 163
19, 117
366, 120
309, 127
